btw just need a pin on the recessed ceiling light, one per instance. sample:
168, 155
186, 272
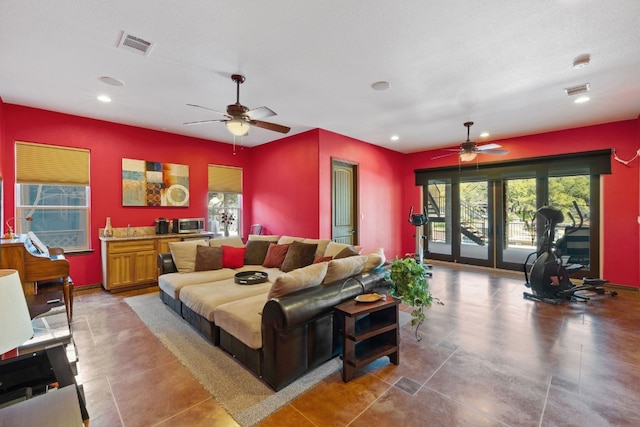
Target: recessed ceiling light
111, 81
381, 85
581, 99
395, 137
104, 98
484, 134
581, 61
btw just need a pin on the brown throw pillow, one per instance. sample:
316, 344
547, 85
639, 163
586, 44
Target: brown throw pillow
346, 252
275, 255
299, 255
256, 252
208, 258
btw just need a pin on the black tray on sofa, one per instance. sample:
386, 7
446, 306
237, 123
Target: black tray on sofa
251, 277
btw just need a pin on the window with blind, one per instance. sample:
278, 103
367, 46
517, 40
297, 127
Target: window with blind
52, 194
224, 211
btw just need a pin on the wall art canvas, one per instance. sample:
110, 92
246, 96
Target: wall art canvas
146, 183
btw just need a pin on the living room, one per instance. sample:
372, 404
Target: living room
287, 187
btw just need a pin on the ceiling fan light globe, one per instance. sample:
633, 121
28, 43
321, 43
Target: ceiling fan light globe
237, 127
467, 157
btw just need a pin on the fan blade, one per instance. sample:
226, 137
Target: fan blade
199, 122
207, 108
492, 151
488, 147
445, 155
270, 126
260, 113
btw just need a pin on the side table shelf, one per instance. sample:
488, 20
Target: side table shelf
370, 331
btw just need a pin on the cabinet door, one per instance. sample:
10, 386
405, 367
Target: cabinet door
121, 270
145, 267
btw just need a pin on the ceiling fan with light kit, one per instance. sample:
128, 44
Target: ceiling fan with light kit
239, 118
469, 150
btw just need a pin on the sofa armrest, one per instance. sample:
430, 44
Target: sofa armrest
165, 264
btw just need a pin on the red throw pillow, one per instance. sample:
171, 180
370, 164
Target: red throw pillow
275, 255
232, 257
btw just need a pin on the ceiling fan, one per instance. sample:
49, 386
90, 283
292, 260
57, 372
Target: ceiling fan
469, 150
239, 118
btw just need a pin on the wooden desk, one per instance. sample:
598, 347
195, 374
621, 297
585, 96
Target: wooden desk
33, 268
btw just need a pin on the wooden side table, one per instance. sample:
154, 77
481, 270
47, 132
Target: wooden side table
370, 331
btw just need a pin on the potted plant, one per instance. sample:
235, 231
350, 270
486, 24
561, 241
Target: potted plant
409, 284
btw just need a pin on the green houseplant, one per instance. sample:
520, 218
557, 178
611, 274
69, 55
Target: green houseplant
409, 284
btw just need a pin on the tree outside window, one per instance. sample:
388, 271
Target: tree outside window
224, 214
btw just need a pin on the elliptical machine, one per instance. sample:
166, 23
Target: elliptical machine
548, 278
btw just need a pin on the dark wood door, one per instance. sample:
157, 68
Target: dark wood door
344, 213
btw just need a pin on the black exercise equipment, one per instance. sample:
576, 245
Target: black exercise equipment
419, 220
548, 278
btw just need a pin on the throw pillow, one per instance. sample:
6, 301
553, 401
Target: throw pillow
268, 237
299, 255
256, 252
184, 254
208, 258
232, 257
375, 259
301, 278
340, 269
322, 259
235, 241
346, 253
322, 245
275, 255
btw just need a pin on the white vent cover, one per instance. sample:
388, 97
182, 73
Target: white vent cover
577, 90
134, 44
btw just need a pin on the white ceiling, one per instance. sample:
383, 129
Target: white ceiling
503, 64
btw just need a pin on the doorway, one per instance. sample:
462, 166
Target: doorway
344, 184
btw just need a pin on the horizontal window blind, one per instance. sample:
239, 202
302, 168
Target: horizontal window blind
225, 179
48, 164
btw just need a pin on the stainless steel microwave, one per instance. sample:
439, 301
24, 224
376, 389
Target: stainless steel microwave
188, 225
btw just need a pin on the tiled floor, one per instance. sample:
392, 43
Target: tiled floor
487, 357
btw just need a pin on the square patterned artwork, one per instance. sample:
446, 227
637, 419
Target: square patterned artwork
147, 183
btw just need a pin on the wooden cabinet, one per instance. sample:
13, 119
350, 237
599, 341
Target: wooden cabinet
370, 331
129, 263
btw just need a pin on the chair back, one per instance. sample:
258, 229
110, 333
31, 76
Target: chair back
255, 229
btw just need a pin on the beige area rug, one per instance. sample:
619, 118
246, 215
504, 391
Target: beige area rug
241, 393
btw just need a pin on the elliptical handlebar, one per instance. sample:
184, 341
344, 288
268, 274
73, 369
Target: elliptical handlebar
418, 219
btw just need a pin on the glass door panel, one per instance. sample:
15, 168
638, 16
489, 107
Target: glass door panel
474, 237
570, 194
439, 205
519, 212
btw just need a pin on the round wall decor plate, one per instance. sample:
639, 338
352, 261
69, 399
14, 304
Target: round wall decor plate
369, 297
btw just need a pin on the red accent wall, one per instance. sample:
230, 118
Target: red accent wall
620, 190
108, 144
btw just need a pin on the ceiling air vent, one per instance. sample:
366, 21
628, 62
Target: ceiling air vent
134, 44
577, 90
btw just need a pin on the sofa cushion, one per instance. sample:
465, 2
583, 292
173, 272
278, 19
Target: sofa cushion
184, 254
235, 241
299, 255
346, 253
301, 278
285, 240
233, 257
256, 251
243, 319
275, 255
172, 283
342, 268
208, 258
334, 248
375, 259
204, 298
267, 237
322, 245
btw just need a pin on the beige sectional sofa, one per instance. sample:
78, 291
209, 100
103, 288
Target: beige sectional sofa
279, 328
